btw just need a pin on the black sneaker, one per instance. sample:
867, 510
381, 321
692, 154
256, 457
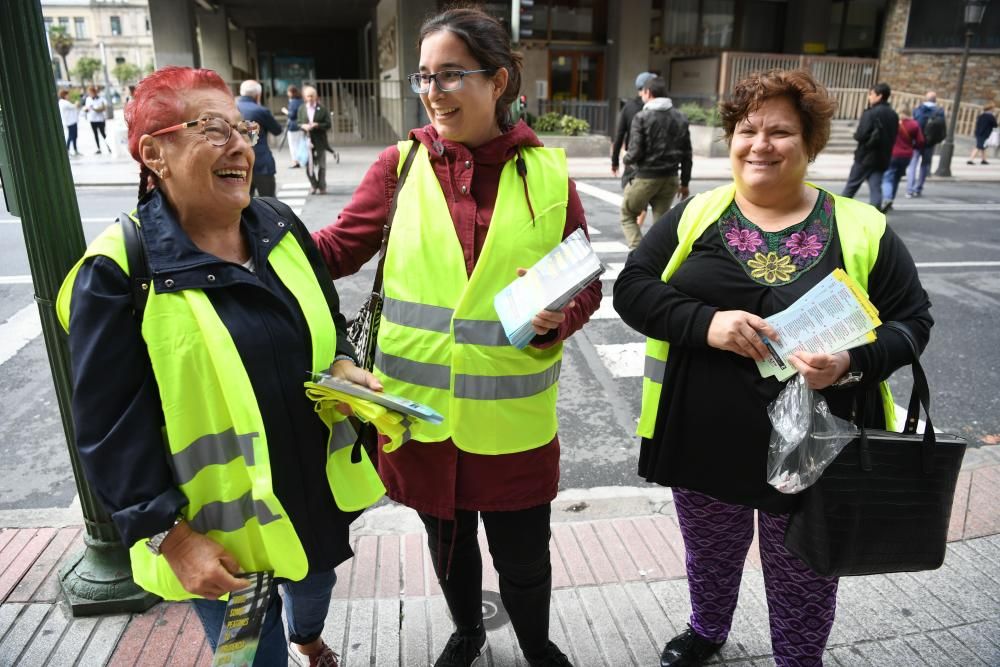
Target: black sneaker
462, 650
553, 658
688, 649
886, 205
983, 162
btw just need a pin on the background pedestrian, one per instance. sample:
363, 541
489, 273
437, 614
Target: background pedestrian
70, 114
264, 170
315, 121
294, 132
930, 117
909, 141
96, 108
876, 135
985, 123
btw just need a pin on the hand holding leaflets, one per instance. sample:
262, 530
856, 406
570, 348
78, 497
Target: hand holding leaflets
834, 316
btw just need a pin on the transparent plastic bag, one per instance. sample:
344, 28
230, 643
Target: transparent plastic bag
806, 437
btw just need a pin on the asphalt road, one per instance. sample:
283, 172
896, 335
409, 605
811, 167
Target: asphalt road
953, 234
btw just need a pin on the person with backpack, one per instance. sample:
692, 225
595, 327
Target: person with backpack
909, 140
930, 118
876, 135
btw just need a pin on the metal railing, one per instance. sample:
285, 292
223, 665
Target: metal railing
597, 113
831, 71
362, 109
852, 101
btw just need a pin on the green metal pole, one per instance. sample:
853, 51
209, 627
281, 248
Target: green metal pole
38, 188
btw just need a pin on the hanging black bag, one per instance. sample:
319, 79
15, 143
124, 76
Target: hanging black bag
884, 504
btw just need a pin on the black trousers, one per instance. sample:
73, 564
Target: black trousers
862, 174
519, 544
98, 126
262, 185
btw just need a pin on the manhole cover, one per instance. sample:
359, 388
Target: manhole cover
494, 615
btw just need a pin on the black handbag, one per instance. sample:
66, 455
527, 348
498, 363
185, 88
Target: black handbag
884, 504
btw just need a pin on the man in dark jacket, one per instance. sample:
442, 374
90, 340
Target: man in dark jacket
875, 135
315, 120
628, 112
659, 146
262, 184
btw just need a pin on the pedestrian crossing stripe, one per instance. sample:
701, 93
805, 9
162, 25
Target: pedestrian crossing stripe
609, 246
612, 271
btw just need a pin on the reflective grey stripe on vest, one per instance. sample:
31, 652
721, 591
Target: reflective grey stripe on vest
480, 332
438, 319
417, 315
342, 435
413, 372
488, 387
406, 423
654, 369
212, 449
230, 516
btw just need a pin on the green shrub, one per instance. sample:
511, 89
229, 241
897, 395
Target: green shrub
548, 122
698, 115
574, 127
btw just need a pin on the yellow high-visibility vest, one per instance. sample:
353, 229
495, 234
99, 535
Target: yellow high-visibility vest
214, 433
440, 340
859, 242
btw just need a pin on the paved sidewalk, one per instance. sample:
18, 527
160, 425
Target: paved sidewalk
619, 593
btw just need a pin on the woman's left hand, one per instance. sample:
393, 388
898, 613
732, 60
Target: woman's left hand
821, 370
346, 370
547, 320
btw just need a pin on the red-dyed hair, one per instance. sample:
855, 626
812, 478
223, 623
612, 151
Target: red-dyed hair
158, 103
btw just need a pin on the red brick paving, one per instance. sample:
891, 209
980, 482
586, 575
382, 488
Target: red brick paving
389, 574
576, 564
18, 564
31, 583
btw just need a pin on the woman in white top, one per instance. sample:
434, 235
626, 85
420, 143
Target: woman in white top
70, 115
95, 107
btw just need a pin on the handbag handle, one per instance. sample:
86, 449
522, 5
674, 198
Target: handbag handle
920, 395
377, 285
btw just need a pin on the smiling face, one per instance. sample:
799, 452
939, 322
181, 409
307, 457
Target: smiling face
203, 180
468, 115
768, 149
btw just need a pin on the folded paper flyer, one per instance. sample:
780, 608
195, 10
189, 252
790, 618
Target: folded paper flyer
835, 315
244, 620
548, 285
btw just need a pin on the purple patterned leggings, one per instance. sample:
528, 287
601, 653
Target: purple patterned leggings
717, 536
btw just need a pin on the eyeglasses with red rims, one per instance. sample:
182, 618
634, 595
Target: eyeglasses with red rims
447, 80
218, 131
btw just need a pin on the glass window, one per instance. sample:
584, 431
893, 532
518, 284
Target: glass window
941, 25
64, 22
116, 25
80, 28
147, 24
48, 23
717, 23
681, 20
577, 20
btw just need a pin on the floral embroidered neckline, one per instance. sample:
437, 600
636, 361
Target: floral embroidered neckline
778, 258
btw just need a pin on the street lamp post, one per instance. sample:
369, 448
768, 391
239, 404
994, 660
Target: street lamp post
38, 188
974, 10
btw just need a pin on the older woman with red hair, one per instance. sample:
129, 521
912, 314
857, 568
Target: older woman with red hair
699, 287
191, 419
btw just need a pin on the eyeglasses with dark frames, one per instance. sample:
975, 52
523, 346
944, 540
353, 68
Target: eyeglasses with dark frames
218, 131
447, 80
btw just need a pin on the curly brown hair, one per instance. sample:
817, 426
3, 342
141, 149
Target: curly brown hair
814, 104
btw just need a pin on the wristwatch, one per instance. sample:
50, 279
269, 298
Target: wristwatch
154, 543
849, 379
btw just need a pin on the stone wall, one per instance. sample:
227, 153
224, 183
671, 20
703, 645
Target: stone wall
938, 71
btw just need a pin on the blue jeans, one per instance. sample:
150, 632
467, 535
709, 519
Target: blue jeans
920, 166
307, 603
892, 176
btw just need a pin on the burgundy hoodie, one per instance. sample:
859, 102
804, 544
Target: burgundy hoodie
438, 478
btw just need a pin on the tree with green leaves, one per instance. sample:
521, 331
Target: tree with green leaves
126, 73
86, 68
61, 43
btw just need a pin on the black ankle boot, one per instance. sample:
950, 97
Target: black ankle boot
688, 649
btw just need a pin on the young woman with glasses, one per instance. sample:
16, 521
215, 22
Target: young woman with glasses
482, 199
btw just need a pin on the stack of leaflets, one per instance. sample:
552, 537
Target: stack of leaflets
244, 620
549, 285
391, 401
835, 315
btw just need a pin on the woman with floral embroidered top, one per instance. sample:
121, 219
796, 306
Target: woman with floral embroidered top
699, 287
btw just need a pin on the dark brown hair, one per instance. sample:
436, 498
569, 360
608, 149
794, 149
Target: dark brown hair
488, 42
810, 99
294, 91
